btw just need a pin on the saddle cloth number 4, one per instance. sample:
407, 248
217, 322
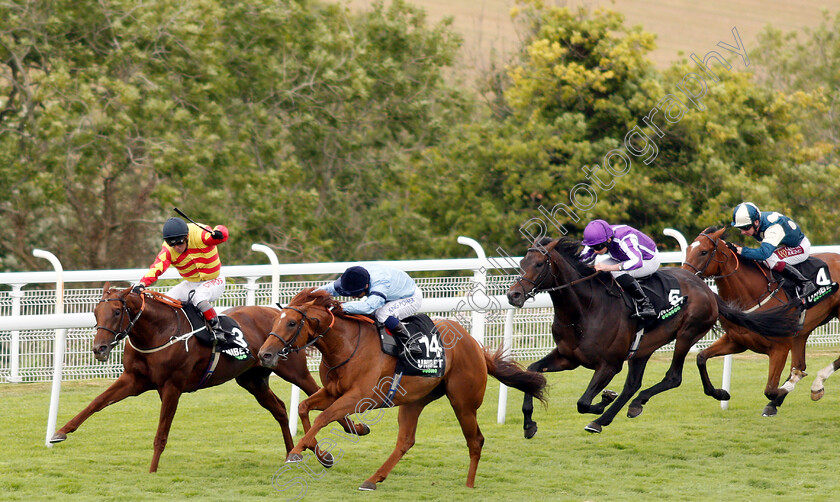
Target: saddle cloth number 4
822, 277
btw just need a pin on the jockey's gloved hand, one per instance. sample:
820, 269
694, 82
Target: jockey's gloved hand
217, 234
138, 288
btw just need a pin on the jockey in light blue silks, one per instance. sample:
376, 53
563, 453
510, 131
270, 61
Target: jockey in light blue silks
624, 252
388, 293
782, 242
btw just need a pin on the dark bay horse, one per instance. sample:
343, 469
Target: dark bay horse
592, 328
153, 360
359, 369
752, 285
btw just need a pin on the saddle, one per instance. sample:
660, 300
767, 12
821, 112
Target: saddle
421, 328
815, 270
234, 346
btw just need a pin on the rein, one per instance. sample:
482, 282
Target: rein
289, 348
119, 336
536, 289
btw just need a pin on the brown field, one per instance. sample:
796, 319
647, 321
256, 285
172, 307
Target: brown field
681, 26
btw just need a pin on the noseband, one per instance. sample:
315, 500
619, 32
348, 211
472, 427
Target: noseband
288, 346
118, 336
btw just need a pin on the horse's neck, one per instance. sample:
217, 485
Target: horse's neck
747, 284
157, 322
342, 340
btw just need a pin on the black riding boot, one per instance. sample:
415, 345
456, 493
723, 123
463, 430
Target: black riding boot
401, 333
216, 330
804, 286
644, 307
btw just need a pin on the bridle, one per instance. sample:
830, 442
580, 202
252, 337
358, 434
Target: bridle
288, 346
701, 271
124, 310
542, 276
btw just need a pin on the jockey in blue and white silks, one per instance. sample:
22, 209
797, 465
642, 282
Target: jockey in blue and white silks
624, 252
388, 293
782, 242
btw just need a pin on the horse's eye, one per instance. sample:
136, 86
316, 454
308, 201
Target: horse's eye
292, 324
540, 264
703, 253
116, 313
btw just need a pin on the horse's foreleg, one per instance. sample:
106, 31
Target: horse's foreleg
673, 378
721, 347
408, 416
256, 383
600, 379
635, 371
552, 362
776, 394
818, 388
169, 396
125, 386
320, 400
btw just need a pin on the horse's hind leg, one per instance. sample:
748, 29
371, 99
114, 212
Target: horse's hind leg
673, 377
635, 371
255, 381
552, 362
124, 386
408, 416
818, 387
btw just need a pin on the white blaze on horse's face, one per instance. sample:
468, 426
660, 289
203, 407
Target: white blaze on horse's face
694, 244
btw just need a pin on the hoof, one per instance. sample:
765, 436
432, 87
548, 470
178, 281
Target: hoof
609, 396
367, 486
365, 431
326, 459
59, 437
769, 411
593, 427
816, 395
530, 430
294, 458
634, 411
721, 395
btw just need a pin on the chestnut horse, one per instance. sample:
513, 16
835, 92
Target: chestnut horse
592, 327
753, 286
161, 354
351, 348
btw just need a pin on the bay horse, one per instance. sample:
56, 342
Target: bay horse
592, 328
753, 286
162, 355
351, 348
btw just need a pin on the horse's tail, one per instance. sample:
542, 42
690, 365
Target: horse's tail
776, 322
513, 375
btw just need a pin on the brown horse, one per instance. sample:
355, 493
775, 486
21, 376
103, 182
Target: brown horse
753, 286
592, 328
162, 355
351, 349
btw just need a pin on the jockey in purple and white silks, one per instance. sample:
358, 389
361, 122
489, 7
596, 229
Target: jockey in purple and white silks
783, 244
624, 252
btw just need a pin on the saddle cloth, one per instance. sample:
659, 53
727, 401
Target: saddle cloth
664, 292
235, 345
815, 270
431, 363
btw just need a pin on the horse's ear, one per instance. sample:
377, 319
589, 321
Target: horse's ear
106, 287
551, 245
721, 233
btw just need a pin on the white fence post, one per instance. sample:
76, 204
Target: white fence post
60, 342
294, 399
507, 343
14, 350
480, 279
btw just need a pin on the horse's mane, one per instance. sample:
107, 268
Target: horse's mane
319, 298
569, 249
